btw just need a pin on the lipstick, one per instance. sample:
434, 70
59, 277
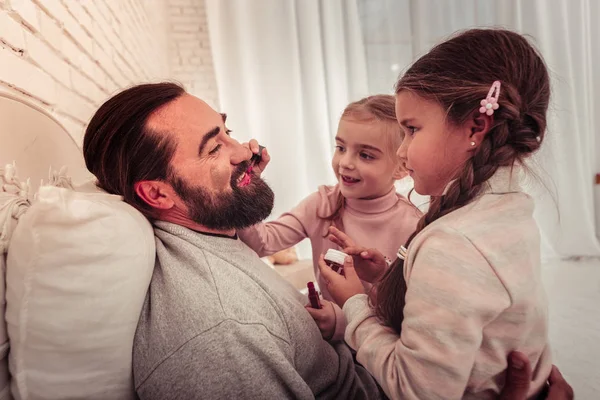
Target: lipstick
313, 296
258, 156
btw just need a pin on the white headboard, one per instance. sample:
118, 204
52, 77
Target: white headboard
36, 141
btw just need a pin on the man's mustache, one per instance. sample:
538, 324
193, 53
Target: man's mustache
239, 171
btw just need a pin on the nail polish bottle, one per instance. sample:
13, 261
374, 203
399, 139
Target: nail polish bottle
335, 260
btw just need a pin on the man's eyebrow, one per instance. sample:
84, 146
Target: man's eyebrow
207, 136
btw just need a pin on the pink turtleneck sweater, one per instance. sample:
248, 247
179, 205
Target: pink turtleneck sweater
384, 223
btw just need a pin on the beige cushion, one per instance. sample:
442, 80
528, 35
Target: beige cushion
79, 264
14, 202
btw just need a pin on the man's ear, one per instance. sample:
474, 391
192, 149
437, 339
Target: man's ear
156, 194
478, 127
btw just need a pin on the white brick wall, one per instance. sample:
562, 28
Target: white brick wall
68, 56
189, 49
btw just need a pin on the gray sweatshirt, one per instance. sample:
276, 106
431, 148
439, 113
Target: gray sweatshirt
218, 323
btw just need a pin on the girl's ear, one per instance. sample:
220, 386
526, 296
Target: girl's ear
478, 126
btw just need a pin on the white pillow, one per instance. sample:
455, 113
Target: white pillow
78, 268
14, 202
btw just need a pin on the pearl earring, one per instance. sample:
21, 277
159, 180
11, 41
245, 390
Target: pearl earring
472, 143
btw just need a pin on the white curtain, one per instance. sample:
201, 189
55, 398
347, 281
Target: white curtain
285, 70
565, 31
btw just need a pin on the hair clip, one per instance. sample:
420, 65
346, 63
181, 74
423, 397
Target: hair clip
490, 103
401, 253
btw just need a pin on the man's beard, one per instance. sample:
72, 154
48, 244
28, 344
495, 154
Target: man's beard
238, 209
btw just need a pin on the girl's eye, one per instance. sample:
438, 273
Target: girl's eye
411, 130
215, 150
339, 148
366, 156
228, 131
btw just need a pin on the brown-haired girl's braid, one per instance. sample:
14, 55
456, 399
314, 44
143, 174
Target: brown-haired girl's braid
457, 74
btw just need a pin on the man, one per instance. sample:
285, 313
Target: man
217, 322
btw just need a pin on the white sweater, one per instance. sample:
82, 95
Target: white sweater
474, 294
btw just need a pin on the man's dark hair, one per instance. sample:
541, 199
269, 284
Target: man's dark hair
119, 148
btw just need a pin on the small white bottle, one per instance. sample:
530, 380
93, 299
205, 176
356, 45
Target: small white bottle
335, 260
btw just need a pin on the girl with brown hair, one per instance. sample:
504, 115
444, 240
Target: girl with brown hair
465, 289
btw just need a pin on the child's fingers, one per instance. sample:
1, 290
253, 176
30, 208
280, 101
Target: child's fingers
375, 255
314, 313
354, 250
349, 270
334, 231
253, 146
334, 240
344, 240
266, 157
320, 314
327, 273
367, 254
333, 236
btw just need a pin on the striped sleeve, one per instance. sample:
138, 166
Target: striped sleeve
453, 293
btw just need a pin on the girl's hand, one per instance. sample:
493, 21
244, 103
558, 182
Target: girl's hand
341, 287
370, 264
324, 317
254, 148
340, 238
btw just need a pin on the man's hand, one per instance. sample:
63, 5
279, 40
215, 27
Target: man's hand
518, 377
518, 380
559, 388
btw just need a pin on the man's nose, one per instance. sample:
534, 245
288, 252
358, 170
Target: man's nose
240, 153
